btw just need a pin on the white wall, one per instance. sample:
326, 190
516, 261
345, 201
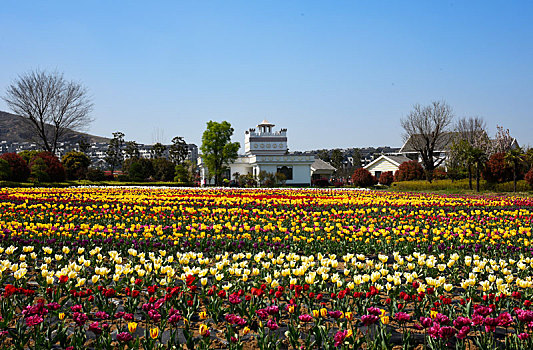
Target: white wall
382, 165
240, 168
301, 174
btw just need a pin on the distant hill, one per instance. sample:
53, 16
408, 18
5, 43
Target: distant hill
13, 128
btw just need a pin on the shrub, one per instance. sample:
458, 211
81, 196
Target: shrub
140, 169
123, 178
321, 182
5, 170
362, 177
497, 170
18, 167
39, 170
182, 175
163, 169
28, 155
408, 171
95, 174
386, 178
76, 165
439, 173
529, 177
50, 165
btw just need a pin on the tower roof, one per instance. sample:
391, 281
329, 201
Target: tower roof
265, 123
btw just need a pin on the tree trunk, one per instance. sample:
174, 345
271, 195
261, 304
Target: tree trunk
514, 176
477, 177
470, 176
429, 175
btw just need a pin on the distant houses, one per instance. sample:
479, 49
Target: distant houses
96, 151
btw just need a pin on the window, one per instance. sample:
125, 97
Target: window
285, 170
377, 174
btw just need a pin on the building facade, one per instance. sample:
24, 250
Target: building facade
266, 150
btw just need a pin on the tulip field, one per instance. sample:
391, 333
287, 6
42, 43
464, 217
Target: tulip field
147, 268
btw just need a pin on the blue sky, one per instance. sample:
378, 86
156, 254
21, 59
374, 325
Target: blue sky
334, 73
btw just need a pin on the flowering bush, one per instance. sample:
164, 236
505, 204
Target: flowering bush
362, 177
529, 177
497, 169
18, 167
407, 171
386, 178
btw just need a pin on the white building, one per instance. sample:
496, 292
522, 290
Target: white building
386, 163
266, 150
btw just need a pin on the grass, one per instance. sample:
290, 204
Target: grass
459, 187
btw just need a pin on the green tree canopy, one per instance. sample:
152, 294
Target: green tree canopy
76, 165
114, 155
178, 150
217, 149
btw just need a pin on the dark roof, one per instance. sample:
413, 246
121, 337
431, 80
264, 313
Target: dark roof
399, 159
319, 164
443, 143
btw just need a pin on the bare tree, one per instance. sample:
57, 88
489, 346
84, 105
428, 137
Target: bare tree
470, 134
471, 145
471, 129
426, 128
51, 105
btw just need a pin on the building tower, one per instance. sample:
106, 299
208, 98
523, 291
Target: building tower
264, 141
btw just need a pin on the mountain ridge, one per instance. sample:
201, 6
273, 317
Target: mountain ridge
13, 128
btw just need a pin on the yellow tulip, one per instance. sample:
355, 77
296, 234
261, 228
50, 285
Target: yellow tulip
204, 330
154, 332
132, 327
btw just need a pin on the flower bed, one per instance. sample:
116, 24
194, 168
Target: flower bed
146, 268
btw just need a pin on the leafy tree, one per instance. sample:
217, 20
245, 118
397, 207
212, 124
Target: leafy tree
38, 170
95, 174
337, 158
178, 150
478, 156
114, 156
515, 157
528, 157
357, 158
182, 175
470, 142
163, 169
324, 155
140, 169
19, 170
425, 128
158, 150
131, 149
408, 171
5, 170
84, 145
52, 167
51, 106
28, 155
529, 177
497, 169
76, 165
363, 178
217, 148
